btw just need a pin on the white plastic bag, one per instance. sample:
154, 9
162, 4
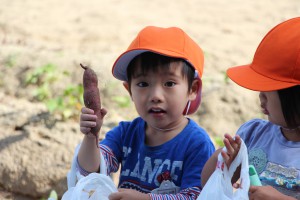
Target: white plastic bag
95, 186
73, 175
219, 187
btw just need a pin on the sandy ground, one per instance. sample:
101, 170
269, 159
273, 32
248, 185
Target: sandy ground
97, 31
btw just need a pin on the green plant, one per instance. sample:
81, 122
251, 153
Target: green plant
226, 78
11, 60
68, 103
219, 141
44, 74
65, 103
122, 101
52, 196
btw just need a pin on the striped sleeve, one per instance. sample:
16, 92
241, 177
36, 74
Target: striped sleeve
186, 194
110, 159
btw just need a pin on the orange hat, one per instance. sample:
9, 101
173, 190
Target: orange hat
276, 63
171, 42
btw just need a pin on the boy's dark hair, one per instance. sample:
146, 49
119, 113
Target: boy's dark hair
290, 103
152, 61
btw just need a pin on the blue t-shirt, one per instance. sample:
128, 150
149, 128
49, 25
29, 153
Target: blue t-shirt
183, 156
277, 160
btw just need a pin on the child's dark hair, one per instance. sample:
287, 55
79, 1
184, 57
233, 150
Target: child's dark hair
152, 61
290, 103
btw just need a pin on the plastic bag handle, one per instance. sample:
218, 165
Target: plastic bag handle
72, 177
240, 159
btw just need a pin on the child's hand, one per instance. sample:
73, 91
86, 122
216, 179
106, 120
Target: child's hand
266, 193
233, 146
128, 194
88, 120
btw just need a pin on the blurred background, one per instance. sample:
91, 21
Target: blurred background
42, 43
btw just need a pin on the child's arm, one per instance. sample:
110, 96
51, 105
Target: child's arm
209, 167
129, 194
267, 193
89, 153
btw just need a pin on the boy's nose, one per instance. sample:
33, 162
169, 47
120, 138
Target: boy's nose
156, 94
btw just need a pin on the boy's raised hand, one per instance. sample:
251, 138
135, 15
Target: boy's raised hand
88, 120
233, 146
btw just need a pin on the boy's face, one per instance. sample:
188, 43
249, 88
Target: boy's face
160, 97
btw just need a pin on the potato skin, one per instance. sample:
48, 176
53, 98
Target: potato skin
91, 97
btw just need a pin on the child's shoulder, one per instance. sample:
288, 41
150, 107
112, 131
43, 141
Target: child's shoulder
195, 127
196, 133
255, 127
256, 124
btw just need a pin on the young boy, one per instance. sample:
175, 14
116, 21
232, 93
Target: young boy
161, 152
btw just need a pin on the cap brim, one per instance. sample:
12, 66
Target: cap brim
119, 69
246, 77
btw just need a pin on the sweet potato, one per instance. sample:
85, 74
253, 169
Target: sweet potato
91, 97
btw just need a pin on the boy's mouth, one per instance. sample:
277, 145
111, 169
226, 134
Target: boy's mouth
156, 110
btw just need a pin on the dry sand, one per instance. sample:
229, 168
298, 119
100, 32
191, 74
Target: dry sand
97, 31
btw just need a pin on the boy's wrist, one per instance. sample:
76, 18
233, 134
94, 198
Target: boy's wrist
90, 138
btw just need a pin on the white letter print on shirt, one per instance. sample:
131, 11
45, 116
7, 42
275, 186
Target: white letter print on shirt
150, 171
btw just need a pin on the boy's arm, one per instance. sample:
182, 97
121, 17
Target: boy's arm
89, 154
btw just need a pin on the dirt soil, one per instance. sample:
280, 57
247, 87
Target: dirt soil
58, 35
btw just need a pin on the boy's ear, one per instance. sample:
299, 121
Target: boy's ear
126, 86
196, 86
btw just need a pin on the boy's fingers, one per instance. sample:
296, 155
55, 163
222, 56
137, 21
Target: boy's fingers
88, 117
86, 110
87, 124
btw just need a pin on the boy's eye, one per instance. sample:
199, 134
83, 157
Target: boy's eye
170, 84
142, 84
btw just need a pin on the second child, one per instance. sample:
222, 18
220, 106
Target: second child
273, 144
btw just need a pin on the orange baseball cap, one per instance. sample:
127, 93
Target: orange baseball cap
276, 63
171, 42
